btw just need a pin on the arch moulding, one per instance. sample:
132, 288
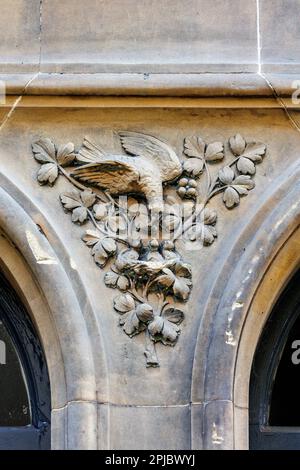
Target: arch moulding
32, 266
268, 254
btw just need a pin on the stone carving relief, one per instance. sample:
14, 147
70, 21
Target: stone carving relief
142, 208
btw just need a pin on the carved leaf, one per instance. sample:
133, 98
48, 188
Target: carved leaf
100, 211
246, 166
182, 288
239, 187
66, 154
205, 233
124, 303
243, 182
214, 152
167, 279
115, 280
134, 321
144, 312
48, 173
193, 166
44, 151
123, 283
255, 151
71, 200
226, 175
194, 147
174, 315
209, 216
231, 198
237, 144
116, 223
88, 198
179, 280
103, 250
164, 331
79, 214
78, 203
111, 279
91, 237
131, 324
183, 270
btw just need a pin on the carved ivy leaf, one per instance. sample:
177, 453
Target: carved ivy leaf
237, 144
163, 330
66, 154
78, 203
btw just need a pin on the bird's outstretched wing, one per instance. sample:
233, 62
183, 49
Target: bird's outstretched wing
153, 149
115, 176
89, 153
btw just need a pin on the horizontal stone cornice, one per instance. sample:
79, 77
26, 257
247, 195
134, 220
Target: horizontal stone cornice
149, 84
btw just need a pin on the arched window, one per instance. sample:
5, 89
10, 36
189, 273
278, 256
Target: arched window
275, 378
25, 404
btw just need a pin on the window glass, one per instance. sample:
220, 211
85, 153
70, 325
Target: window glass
14, 401
285, 410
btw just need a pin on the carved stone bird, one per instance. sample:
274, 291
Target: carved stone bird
148, 164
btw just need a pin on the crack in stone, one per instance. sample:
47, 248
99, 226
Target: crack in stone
278, 99
17, 102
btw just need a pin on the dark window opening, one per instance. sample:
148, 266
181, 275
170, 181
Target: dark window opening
285, 409
25, 404
14, 399
274, 412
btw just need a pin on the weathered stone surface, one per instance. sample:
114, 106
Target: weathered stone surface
102, 394
132, 427
279, 32
20, 36
103, 36
217, 420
